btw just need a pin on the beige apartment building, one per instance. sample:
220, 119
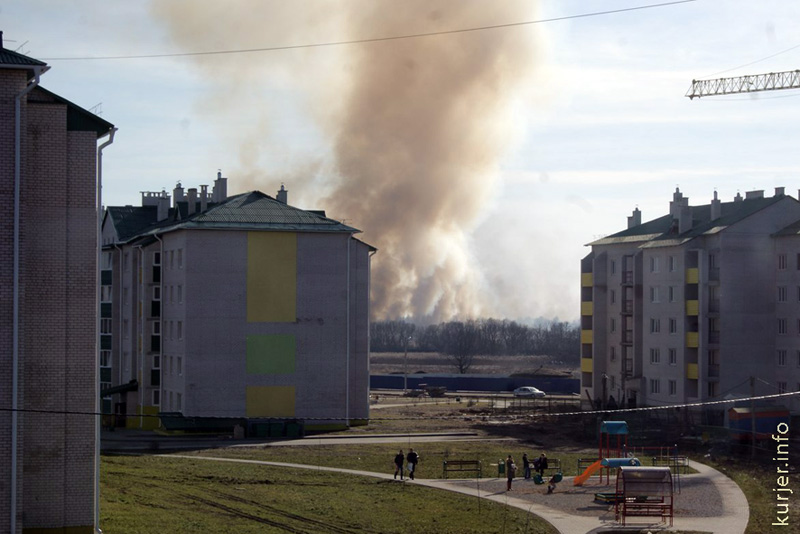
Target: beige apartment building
233, 310
48, 319
689, 306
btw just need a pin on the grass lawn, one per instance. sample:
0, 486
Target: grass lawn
156, 494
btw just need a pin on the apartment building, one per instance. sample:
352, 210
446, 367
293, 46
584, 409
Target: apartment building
689, 306
232, 310
48, 282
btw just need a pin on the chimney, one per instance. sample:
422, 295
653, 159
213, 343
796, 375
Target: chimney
162, 208
737, 198
220, 191
177, 194
192, 200
203, 198
716, 208
283, 195
754, 194
675, 205
780, 191
635, 219
685, 217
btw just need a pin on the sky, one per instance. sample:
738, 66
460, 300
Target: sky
479, 163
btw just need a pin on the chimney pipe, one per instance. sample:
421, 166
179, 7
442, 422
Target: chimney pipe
780, 191
177, 194
203, 198
192, 200
635, 219
162, 207
220, 191
283, 195
716, 208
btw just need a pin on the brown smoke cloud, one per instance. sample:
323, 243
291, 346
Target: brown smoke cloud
412, 130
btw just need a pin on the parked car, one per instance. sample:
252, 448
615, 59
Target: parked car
528, 391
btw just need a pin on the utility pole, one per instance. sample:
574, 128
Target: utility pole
752, 417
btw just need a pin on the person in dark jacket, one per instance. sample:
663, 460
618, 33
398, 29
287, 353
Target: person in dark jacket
526, 465
511, 470
412, 458
542, 464
398, 464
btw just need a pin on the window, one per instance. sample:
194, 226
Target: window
655, 385
156, 397
180, 329
180, 294
125, 295
171, 259
654, 264
612, 295
613, 267
655, 356
781, 262
613, 325
781, 293
612, 353
712, 261
125, 329
654, 294
156, 292
781, 326
156, 258
172, 330
798, 358
713, 389
178, 401
105, 358
156, 328
672, 264
105, 293
673, 357
673, 387
125, 261
782, 358
655, 326
156, 361
180, 365
180, 258
105, 326
170, 400
171, 294
673, 325
613, 382
782, 387
672, 293
798, 261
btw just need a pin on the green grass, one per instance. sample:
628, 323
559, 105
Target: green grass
155, 494
379, 457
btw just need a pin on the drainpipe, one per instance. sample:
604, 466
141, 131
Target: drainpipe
37, 71
369, 336
161, 336
140, 333
347, 366
98, 405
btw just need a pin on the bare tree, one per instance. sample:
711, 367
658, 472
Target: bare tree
459, 341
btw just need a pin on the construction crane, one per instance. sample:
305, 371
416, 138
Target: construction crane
773, 81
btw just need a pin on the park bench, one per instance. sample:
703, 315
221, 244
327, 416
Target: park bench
673, 462
462, 466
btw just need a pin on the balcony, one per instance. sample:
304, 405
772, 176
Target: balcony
627, 278
587, 279
587, 308
693, 275
713, 336
627, 307
587, 365
692, 308
713, 274
627, 337
692, 339
692, 371
587, 337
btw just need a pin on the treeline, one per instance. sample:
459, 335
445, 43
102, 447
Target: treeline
558, 339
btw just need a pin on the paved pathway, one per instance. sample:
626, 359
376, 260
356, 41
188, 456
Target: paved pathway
733, 520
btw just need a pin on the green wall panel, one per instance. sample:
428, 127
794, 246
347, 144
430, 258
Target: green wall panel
271, 354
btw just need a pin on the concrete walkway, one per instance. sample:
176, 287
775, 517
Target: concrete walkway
736, 511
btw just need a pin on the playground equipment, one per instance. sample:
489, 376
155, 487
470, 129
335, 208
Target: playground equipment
644, 492
605, 450
610, 463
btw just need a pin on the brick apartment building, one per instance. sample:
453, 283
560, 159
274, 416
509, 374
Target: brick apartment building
48, 265
687, 307
233, 310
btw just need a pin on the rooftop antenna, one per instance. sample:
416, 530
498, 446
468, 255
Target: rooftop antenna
97, 109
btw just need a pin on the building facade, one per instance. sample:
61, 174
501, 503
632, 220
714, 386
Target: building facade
238, 308
691, 306
48, 282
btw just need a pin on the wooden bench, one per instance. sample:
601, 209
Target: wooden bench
462, 466
553, 464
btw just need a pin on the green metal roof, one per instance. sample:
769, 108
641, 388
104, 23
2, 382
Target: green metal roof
14, 60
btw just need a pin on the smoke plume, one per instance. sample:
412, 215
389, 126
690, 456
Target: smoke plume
407, 134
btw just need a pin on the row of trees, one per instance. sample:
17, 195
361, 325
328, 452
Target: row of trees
463, 340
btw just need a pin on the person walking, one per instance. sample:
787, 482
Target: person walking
398, 464
511, 470
412, 458
526, 465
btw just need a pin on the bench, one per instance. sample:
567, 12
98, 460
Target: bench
462, 466
644, 507
553, 464
676, 462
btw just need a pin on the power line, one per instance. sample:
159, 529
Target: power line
372, 40
452, 417
751, 63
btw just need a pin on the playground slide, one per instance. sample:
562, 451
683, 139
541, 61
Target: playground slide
592, 469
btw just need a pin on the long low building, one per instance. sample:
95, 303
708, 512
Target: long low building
239, 307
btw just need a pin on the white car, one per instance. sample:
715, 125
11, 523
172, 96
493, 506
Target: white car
529, 391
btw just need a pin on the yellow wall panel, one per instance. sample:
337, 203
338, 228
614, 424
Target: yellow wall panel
587, 279
692, 371
271, 277
692, 339
692, 308
587, 308
587, 337
270, 401
692, 275
587, 365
